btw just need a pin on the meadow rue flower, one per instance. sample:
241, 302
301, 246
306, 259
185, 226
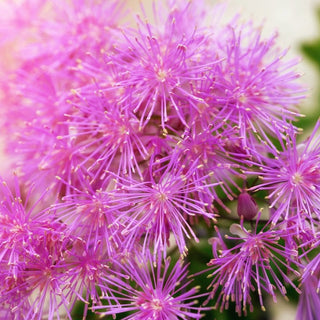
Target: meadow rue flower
16, 28
209, 147
40, 96
90, 213
36, 285
310, 284
157, 290
72, 30
85, 265
22, 222
58, 43
43, 156
309, 300
291, 176
60, 38
44, 269
134, 140
253, 263
106, 138
311, 270
256, 89
162, 204
159, 69
180, 13
247, 207
43, 281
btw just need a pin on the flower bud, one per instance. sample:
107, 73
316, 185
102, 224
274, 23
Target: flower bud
247, 207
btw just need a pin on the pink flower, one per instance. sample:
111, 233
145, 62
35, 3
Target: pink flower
252, 263
162, 204
247, 207
44, 156
255, 87
159, 71
156, 291
105, 138
86, 265
36, 288
309, 301
89, 212
209, 147
292, 177
22, 221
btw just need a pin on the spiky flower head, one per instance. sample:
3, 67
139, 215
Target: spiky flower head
159, 69
151, 290
255, 87
309, 301
254, 262
291, 176
163, 204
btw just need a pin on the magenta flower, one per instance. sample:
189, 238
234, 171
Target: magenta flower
59, 45
40, 98
130, 140
37, 286
158, 70
252, 264
181, 13
255, 87
162, 204
312, 269
17, 29
105, 138
247, 207
209, 147
292, 178
85, 265
22, 221
49, 65
150, 290
45, 159
309, 301
89, 212
75, 28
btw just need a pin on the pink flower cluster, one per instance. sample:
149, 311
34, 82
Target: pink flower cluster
126, 143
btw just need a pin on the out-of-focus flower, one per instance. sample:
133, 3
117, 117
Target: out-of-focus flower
311, 270
44, 156
309, 301
105, 138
